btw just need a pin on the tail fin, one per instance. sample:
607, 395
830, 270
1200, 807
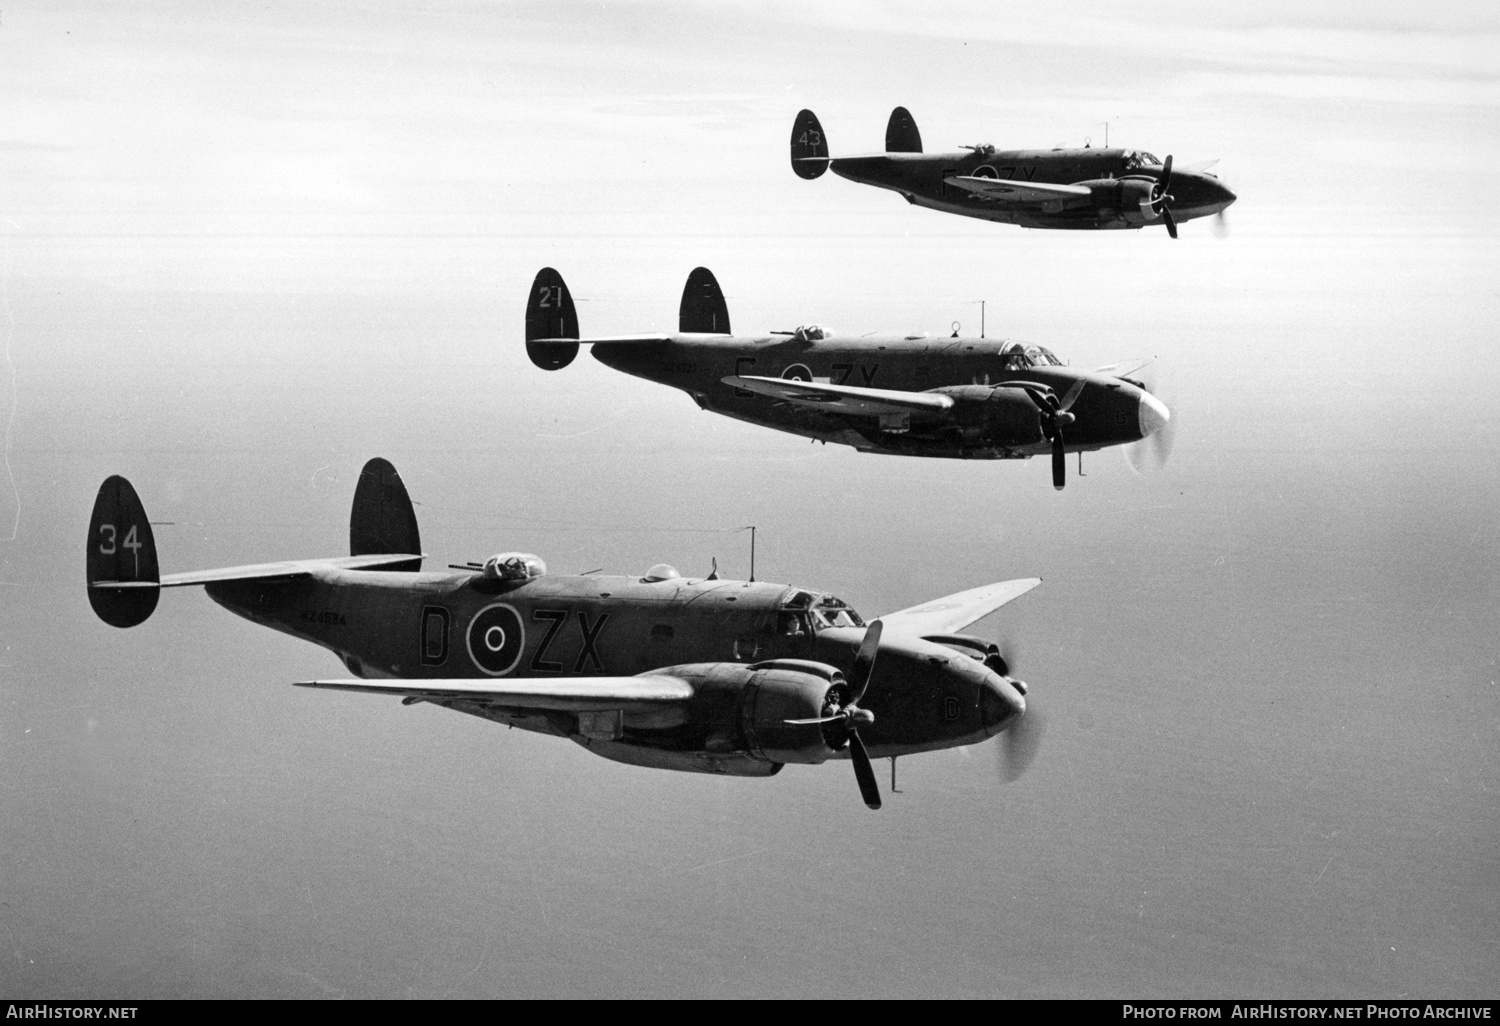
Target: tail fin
809, 146
901, 135
382, 520
124, 581
703, 308
549, 314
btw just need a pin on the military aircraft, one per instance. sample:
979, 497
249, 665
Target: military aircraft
1056, 188
704, 675
964, 398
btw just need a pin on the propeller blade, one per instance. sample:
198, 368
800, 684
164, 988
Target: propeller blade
864, 663
1166, 175
815, 719
863, 771
1221, 226
1059, 460
1171, 222
1021, 742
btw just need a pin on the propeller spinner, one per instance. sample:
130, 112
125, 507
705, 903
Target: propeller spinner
1022, 740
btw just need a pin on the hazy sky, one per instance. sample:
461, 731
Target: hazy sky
245, 251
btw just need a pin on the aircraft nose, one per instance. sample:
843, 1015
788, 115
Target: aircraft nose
1000, 704
1223, 195
1152, 414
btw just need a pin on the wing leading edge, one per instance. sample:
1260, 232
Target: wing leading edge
955, 612
1017, 192
569, 694
868, 402
266, 571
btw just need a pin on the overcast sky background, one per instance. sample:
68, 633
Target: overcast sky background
244, 251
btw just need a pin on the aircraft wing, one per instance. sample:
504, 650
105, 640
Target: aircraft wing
1124, 367
868, 402
262, 571
955, 612
1017, 192
569, 694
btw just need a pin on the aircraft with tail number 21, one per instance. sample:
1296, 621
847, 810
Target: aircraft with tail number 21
1064, 187
904, 395
704, 675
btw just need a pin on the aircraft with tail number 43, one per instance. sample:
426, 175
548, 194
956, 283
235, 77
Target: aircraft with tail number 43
1064, 187
703, 675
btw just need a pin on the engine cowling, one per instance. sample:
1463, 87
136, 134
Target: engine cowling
1128, 198
996, 416
790, 689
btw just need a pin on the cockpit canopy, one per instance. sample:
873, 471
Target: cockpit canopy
812, 333
514, 566
806, 612
1021, 355
1140, 158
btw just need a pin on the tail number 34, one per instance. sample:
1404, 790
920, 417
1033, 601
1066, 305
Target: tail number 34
108, 535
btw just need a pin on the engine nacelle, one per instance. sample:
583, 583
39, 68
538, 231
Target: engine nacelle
1127, 198
790, 689
996, 416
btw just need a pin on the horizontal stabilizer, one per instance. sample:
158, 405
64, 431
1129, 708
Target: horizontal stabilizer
1017, 192
955, 612
568, 694
269, 571
848, 399
604, 341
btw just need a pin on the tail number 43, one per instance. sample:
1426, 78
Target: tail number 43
107, 543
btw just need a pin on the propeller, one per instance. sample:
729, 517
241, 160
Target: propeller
1022, 740
1221, 225
851, 715
1020, 743
1055, 417
1151, 453
1161, 199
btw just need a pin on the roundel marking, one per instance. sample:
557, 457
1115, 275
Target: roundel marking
797, 372
496, 638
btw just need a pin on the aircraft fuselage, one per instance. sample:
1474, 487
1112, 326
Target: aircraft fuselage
925, 695
989, 422
922, 179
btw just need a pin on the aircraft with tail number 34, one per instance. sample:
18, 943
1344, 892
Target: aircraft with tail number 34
703, 675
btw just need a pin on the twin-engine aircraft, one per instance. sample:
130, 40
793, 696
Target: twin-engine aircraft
1056, 188
708, 676
963, 398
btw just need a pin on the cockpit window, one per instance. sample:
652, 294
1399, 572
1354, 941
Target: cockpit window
834, 612
822, 611
1140, 158
1021, 355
